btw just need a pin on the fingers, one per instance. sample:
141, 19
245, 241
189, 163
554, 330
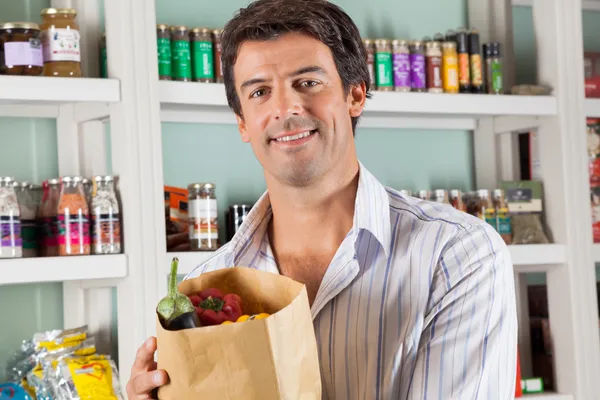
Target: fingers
144, 358
142, 385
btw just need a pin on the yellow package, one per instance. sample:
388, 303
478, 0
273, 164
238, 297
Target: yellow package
58, 339
89, 377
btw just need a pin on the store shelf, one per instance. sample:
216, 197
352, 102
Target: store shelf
188, 260
59, 269
206, 103
596, 253
546, 396
592, 108
536, 257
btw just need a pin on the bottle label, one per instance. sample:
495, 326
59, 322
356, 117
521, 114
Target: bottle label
417, 71
383, 61
106, 229
476, 70
402, 70
497, 84
164, 56
103, 63
24, 53
202, 214
203, 60
60, 44
10, 231
73, 229
464, 76
181, 59
503, 222
434, 72
489, 215
450, 73
29, 233
49, 231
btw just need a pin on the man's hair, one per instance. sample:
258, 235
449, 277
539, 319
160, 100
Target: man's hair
266, 20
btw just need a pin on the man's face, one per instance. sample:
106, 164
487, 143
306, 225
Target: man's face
295, 113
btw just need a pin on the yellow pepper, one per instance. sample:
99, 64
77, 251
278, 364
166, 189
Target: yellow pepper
245, 318
226, 323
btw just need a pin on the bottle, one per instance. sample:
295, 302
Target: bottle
464, 73
202, 215
73, 218
383, 65
10, 220
450, 67
106, 225
477, 84
60, 42
493, 67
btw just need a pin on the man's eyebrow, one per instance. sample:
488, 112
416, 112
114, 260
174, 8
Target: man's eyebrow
306, 70
251, 82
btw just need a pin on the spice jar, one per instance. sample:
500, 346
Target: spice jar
475, 62
47, 220
60, 42
180, 54
503, 220
383, 65
218, 49
401, 61
163, 45
417, 66
441, 196
433, 60
10, 220
235, 216
21, 49
450, 67
484, 208
424, 195
28, 208
106, 225
456, 200
202, 55
202, 214
494, 73
370, 50
464, 72
73, 218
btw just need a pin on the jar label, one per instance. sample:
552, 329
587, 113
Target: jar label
10, 231
417, 71
181, 59
49, 231
402, 70
202, 214
73, 233
464, 75
29, 233
497, 85
24, 53
503, 222
450, 65
61, 44
164, 56
203, 60
106, 232
476, 70
434, 72
383, 62
489, 215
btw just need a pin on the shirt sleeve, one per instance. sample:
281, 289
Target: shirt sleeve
468, 345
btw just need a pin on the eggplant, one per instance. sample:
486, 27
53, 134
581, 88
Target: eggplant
176, 309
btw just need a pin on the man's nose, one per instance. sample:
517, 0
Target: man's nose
287, 102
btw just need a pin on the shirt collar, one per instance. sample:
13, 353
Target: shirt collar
371, 213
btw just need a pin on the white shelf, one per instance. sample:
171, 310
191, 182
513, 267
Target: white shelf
592, 108
206, 103
596, 253
188, 260
59, 269
546, 396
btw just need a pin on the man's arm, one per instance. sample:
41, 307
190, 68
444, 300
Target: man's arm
468, 345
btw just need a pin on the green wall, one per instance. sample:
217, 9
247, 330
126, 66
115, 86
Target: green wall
412, 159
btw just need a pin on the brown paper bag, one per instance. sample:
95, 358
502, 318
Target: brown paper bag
272, 358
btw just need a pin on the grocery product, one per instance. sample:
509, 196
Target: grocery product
176, 311
433, 60
494, 71
424, 195
10, 221
464, 72
104, 213
401, 66
202, 55
181, 59
73, 219
524, 199
503, 223
370, 50
20, 49
456, 200
60, 42
13, 391
214, 308
202, 214
245, 318
29, 208
450, 67
384, 65
163, 44
176, 210
476, 62
235, 216
218, 50
417, 67
440, 196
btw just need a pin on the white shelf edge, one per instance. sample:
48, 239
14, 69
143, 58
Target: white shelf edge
545, 396
592, 108
536, 257
60, 269
596, 252
589, 5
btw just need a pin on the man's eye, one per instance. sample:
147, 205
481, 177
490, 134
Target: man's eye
308, 83
259, 93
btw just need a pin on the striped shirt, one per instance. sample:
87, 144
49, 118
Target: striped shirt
417, 303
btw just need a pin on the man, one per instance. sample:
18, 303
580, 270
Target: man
410, 299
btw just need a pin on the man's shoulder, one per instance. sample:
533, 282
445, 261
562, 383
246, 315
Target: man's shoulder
218, 260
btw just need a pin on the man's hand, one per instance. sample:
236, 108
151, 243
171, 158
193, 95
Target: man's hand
144, 375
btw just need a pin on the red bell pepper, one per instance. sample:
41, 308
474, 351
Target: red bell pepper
214, 308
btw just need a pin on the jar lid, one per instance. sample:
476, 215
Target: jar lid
48, 11
70, 11
382, 41
217, 32
368, 42
19, 25
449, 45
432, 45
498, 193
53, 181
201, 30
424, 194
108, 178
73, 179
417, 43
483, 193
6, 179
179, 28
24, 184
201, 186
162, 27
399, 42
454, 193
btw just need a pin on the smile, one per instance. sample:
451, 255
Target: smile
297, 136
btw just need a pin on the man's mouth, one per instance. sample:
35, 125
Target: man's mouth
297, 136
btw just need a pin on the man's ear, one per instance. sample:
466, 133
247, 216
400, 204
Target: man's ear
242, 128
356, 99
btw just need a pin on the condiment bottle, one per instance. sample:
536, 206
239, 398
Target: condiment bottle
11, 245
87, 190
450, 67
485, 209
417, 67
47, 221
424, 195
433, 60
28, 208
383, 65
181, 59
456, 200
477, 84
202, 215
60, 42
503, 220
21, 49
370, 50
163, 44
401, 62
106, 225
202, 55
450, 36
216, 34
441, 196
464, 73
73, 218
494, 71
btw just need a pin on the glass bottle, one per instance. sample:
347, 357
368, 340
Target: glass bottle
28, 207
47, 221
106, 225
10, 220
73, 218
60, 42
202, 216
202, 55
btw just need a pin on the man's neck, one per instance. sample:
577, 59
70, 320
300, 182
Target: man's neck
316, 217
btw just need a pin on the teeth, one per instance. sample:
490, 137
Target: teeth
294, 137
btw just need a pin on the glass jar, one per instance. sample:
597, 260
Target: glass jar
424, 195
202, 55
370, 50
450, 67
456, 199
401, 65
47, 221
10, 220
433, 60
60, 41
441, 196
218, 49
87, 190
21, 49
28, 207
384, 65
417, 67
106, 225
503, 219
181, 61
202, 216
73, 218
163, 45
